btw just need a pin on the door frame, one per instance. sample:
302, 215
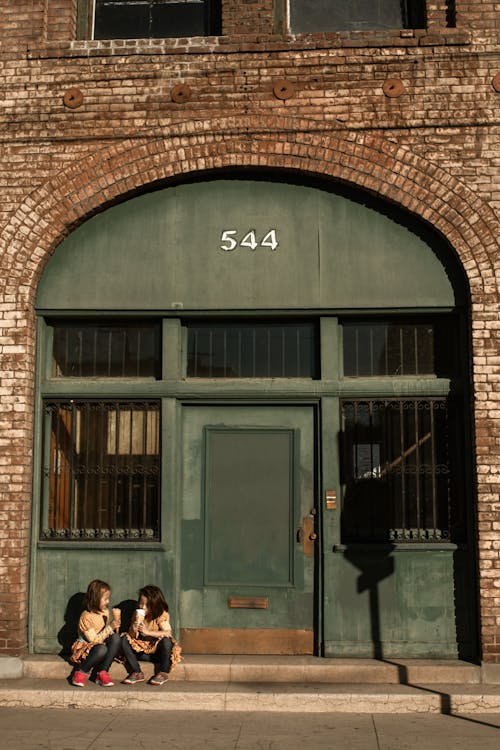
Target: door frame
315, 405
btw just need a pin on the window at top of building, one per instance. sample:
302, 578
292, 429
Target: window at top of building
355, 15
154, 19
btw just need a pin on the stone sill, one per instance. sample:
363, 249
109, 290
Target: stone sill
341, 40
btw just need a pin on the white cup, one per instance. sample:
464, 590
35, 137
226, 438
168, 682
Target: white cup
140, 614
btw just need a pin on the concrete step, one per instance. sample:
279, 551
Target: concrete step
285, 669
277, 697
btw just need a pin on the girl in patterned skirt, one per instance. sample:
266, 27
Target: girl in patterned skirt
98, 639
150, 639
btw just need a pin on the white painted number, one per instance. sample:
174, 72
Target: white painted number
230, 242
270, 240
249, 241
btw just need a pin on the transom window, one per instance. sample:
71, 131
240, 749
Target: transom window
252, 350
83, 349
339, 15
143, 19
398, 347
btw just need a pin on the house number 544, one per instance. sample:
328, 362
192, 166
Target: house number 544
230, 240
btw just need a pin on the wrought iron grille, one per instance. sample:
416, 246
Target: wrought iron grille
101, 470
252, 350
90, 350
396, 470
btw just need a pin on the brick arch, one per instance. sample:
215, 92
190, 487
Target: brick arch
53, 209
367, 161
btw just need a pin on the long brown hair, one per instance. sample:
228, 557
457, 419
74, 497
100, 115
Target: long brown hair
95, 590
156, 601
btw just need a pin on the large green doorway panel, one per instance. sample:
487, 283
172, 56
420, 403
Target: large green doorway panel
244, 463
249, 482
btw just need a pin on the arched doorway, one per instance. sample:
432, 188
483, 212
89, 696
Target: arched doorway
254, 394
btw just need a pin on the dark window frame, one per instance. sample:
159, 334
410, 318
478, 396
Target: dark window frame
146, 22
412, 16
272, 365
101, 460
402, 471
129, 354
444, 342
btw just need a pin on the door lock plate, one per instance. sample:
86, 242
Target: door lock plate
307, 536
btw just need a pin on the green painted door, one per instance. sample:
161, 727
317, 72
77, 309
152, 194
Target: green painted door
248, 504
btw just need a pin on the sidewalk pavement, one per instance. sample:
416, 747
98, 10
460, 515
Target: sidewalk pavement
119, 729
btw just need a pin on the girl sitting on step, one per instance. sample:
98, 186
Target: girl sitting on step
150, 639
98, 640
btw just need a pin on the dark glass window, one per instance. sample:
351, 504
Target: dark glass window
252, 350
102, 470
398, 348
401, 477
339, 15
100, 350
146, 19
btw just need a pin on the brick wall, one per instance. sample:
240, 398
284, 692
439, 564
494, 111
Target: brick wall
434, 149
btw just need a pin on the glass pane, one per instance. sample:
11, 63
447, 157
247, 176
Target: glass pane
143, 19
387, 348
102, 470
396, 471
178, 19
82, 350
338, 15
252, 350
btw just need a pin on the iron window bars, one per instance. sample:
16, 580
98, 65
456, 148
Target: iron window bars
101, 470
399, 347
82, 349
400, 471
266, 349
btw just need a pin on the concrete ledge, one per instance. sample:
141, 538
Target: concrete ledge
490, 673
289, 698
11, 667
287, 669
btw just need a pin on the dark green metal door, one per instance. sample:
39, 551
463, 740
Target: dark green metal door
248, 535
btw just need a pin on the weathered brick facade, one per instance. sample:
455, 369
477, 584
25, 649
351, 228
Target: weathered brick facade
434, 149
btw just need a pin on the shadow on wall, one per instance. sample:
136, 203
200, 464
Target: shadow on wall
68, 634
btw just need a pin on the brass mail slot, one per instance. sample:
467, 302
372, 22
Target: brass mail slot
248, 602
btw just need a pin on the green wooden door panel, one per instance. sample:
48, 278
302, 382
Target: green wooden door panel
248, 480
62, 574
163, 250
249, 507
397, 603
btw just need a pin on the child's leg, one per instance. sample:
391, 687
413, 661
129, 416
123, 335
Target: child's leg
130, 656
96, 655
113, 645
162, 655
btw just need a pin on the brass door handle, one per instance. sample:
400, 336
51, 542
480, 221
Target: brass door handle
313, 536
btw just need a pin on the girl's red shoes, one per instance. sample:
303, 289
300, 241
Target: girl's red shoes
103, 679
79, 678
